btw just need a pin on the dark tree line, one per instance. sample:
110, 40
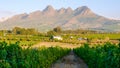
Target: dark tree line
58, 30
20, 31
23, 31
79, 31
55, 31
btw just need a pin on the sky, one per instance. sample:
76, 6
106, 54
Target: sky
107, 8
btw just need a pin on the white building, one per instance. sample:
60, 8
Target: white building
57, 37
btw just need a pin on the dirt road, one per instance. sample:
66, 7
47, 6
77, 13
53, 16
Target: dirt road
53, 44
70, 61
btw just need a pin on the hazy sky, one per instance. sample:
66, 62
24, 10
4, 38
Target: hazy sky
107, 8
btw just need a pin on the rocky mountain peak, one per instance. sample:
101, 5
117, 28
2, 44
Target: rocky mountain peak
61, 11
82, 10
48, 8
69, 10
49, 11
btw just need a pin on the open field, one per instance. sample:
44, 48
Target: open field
54, 44
92, 35
67, 38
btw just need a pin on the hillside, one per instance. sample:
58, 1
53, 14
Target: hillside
67, 18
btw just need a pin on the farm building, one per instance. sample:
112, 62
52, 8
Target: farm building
57, 37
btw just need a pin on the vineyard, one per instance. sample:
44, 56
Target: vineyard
101, 56
13, 56
95, 56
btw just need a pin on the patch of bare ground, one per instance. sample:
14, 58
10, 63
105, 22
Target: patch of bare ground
54, 44
70, 61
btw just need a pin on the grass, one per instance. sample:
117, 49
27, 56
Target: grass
22, 43
91, 36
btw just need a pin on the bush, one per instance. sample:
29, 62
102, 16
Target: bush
107, 55
13, 56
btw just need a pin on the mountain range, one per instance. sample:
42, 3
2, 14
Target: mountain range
67, 18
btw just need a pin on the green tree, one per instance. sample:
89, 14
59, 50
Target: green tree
17, 30
31, 31
23, 31
51, 33
57, 29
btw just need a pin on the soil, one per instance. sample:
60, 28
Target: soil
70, 61
54, 44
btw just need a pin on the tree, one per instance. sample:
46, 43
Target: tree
57, 29
23, 31
18, 30
51, 33
31, 31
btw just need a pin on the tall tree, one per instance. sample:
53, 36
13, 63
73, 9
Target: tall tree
57, 29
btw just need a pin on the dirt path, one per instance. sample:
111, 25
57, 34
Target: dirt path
53, 44
70, 61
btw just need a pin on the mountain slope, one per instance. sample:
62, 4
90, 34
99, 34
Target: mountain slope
81, 17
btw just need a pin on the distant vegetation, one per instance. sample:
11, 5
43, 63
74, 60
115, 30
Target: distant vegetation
78, 36
56, 30
20, 31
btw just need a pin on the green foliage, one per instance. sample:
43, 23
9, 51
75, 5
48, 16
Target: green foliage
13, 56
57, 29
51, 33
79, 31
23, 31
103, 56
